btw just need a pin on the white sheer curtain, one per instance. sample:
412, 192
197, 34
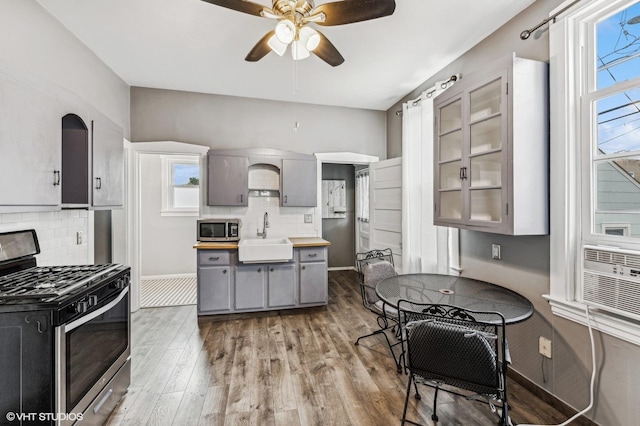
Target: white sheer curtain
425, 247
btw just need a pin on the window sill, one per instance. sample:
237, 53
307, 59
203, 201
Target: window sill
602, 321
170, 213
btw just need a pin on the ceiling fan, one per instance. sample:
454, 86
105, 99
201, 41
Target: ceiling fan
293, 17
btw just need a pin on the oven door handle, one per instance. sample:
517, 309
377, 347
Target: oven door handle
82, 320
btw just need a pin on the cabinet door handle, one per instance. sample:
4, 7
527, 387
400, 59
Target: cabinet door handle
304, 267
98, 183
259, 270
214, 258
464, 173
242, 198
285, 199
224, 271
313, 254
271, 269
56, 177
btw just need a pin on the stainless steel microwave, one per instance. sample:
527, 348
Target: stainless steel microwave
218, 230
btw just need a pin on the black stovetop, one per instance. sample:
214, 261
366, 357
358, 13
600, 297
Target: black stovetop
42, 282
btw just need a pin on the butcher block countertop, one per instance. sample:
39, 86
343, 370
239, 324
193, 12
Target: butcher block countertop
297, 242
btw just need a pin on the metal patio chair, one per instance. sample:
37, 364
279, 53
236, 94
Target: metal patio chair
465, 351
372, 267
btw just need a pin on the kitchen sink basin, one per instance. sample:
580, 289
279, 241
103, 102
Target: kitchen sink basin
265, 250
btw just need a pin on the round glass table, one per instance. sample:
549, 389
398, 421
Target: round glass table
462, 292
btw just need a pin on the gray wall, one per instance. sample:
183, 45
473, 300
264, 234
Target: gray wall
33, 42
233, 122
525, 267
341, 232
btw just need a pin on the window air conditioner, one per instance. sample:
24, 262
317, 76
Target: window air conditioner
611, 280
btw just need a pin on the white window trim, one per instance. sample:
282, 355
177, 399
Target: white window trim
167, 162
565, 170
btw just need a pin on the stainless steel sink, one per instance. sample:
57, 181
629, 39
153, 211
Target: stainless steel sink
265, 250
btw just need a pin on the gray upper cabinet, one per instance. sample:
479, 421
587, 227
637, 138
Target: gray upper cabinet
107, 165
30, 158
228, 176
298, 183
491, 150
227, 180
92, 161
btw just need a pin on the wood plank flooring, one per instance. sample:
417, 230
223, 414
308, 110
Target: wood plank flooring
296, 367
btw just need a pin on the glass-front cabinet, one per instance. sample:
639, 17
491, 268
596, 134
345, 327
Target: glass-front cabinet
491, 145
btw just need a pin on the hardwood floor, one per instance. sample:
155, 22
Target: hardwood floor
296, 367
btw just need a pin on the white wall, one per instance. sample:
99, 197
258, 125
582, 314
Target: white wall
166, 241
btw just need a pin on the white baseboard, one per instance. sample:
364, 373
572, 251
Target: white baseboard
167, 277
342, 268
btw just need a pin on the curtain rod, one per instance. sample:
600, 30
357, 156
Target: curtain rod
430, 93
527, 33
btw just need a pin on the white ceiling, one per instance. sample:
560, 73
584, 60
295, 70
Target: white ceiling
195, 46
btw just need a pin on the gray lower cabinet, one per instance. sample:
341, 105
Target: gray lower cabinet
226, 285
250, 287
313, 276
215, 281
282, 285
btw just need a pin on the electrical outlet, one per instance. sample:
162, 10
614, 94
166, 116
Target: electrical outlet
495, 251
308, 218
79, 237
544, 347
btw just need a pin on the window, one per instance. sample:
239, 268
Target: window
181, 185
362, 203
595, 146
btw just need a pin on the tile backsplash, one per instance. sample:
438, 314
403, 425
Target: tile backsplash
283, 221
57, 234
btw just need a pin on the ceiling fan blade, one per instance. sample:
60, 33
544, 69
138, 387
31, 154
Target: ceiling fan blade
349, 11
239, 5
261, 48
328, 52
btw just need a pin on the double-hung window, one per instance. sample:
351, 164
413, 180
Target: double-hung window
181, 185
595, 149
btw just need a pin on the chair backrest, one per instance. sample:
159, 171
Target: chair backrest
455, 346
373, 266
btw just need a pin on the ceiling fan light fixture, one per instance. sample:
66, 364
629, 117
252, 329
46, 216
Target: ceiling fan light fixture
299, 51
276, 45
285, 31
309, 37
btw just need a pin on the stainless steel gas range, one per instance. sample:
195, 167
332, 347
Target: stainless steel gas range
64, 337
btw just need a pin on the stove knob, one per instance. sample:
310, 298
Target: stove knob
82, 307
93, 300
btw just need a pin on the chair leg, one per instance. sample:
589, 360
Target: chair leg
434, 416
406, 400
393, 354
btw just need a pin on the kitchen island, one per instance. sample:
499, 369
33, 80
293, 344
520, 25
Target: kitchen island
226, 285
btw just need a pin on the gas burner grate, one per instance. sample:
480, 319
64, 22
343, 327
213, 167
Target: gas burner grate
44, 282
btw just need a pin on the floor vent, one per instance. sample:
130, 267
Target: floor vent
611, 280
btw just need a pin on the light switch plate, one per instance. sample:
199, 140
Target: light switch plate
495, 251
308, 218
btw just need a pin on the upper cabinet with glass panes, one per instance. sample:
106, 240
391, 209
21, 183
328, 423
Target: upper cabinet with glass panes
491, 150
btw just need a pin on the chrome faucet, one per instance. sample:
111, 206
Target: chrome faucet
265, 225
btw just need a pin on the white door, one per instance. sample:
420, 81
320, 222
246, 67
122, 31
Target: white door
385, 195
